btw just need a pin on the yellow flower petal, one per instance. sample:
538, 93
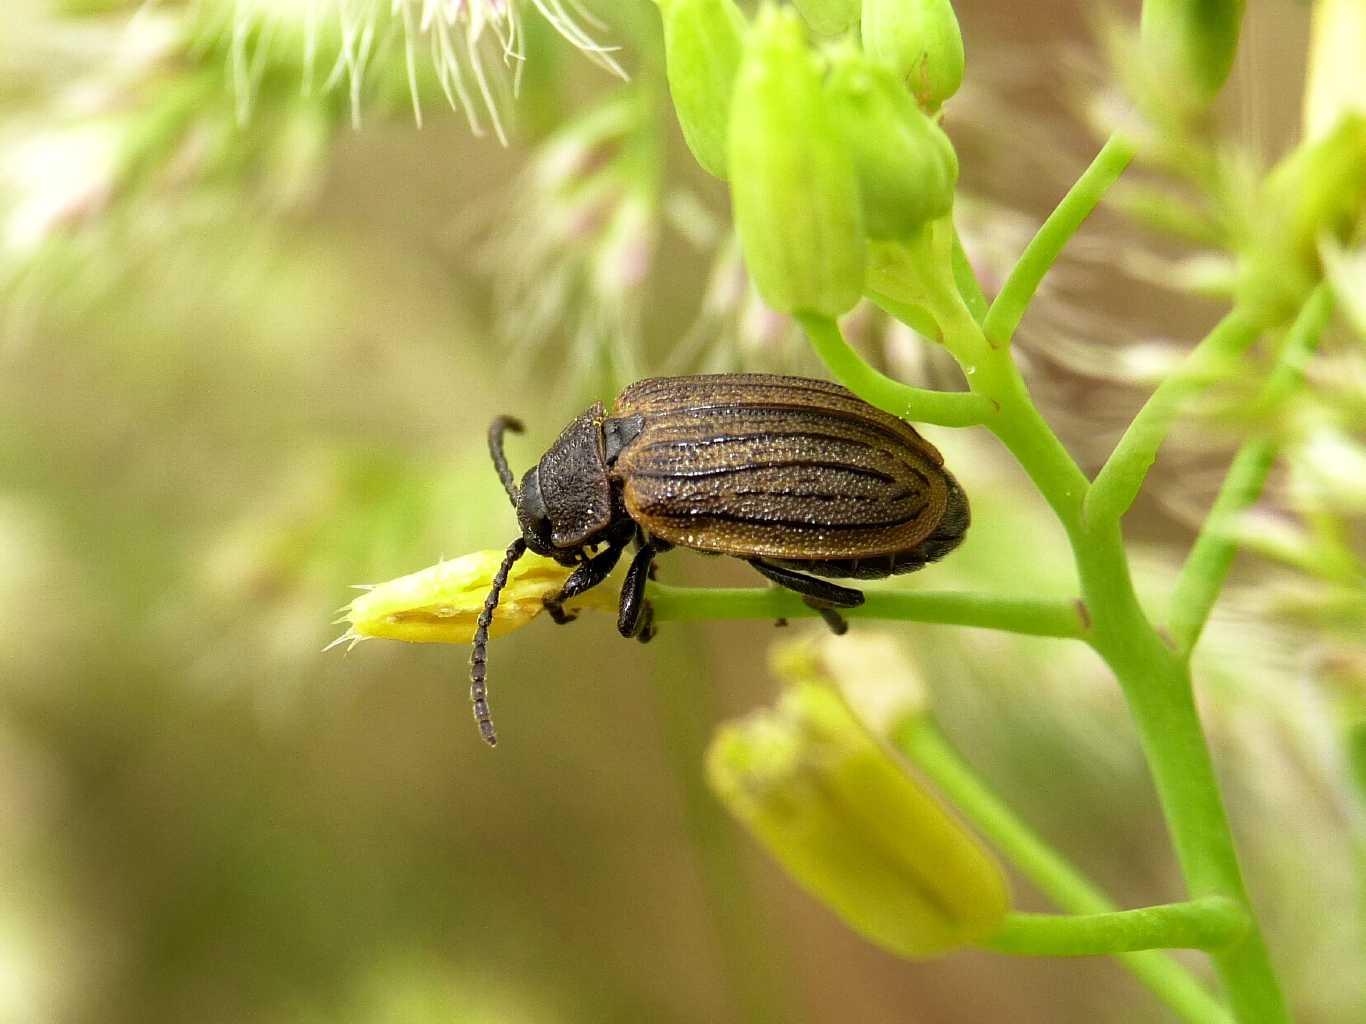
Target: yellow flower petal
440, 604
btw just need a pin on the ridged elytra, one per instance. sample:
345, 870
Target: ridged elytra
800, 478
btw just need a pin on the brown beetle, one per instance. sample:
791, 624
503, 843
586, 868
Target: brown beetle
794, 476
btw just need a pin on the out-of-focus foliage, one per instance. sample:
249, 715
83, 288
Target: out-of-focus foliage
247, 356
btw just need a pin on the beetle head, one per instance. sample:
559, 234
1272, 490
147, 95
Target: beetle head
565, 501
534, 518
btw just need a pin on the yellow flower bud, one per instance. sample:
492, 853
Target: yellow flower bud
441, 604
869, 668
854, 828
793, 184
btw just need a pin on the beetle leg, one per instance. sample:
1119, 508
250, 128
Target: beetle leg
838, 624
587, 576
641, 539
821, 595
827, 593
635, 617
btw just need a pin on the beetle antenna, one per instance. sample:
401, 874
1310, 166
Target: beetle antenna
479, 656
500, 461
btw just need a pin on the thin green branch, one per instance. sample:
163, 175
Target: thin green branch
915, 317
1207, 566
1122, 476
1208, 923
1043, 250
1156, 682
966, 279
1055, 877
1029, 616
943, 408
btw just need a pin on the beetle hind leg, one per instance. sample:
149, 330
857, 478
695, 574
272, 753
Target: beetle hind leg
819, 594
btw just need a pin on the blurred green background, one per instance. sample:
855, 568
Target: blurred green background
235, 384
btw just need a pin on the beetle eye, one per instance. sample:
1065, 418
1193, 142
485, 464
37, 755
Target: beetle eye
532, 515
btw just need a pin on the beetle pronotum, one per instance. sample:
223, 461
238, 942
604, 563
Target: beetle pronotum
800, 478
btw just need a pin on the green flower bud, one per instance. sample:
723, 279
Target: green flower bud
793, 184
920, 41
829, 17
854, 828
1319, 190
703, 40
906, 164
1193, 42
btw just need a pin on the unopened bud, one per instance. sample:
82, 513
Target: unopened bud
906, 164
854, 828
920, 41
703, 40
1317, 192
870, 669
793, 183
1191, 44
830, 17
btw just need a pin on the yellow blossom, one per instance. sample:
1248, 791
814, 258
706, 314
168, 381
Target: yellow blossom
855, 828
440, 604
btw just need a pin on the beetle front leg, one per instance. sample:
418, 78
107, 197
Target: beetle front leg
821, 595
587, 576
635, 617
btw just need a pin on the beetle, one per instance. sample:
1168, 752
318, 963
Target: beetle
800, 478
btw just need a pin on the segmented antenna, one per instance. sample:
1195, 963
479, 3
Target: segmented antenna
479, 656
500, 461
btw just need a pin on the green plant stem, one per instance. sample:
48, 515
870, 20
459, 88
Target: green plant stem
1031, 616
921, 741
912, 316
1122, 476
1207, 923
944, 408
1042, 252
968, 285
1206, 568
1157, 685
1155, 679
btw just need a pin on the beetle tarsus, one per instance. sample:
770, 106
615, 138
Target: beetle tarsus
838, 624
557, 613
